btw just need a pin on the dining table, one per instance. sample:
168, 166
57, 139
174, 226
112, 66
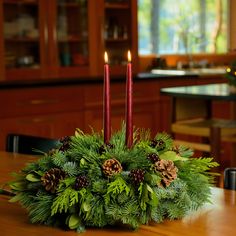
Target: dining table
207, 92
215, 218
206, 95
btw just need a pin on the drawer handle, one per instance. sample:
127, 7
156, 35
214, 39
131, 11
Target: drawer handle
40, 102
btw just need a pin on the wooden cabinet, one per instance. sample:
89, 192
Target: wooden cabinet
145, 109
46, 112
120, 32
46, 38
65, 38
56, 111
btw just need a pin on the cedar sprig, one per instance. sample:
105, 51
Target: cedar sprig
107, 200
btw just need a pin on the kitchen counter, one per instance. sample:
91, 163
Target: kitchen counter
6, 84
55, 107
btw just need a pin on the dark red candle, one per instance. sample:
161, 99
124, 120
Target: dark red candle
106, 102
129, 104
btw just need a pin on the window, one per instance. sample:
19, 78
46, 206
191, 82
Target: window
182, 27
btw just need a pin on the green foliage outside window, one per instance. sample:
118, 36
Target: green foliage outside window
178, 27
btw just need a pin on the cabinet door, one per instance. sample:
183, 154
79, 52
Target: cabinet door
68, 25
41, 126
2, 63
50, 126
24, 38
119, 32
49, 39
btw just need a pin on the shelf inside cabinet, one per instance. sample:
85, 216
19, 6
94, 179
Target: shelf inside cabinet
70, 4
21, 40
118, 40
22, 2
72, 38
117, 5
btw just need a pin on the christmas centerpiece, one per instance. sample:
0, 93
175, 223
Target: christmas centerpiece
99, 179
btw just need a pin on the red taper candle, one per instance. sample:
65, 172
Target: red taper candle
129, 104
106, 102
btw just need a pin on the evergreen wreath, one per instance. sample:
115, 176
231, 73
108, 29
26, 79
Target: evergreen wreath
84, 182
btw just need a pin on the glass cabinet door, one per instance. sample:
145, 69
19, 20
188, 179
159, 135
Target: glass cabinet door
21, 34
72, 33
117, 32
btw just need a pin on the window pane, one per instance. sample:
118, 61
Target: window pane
177, 27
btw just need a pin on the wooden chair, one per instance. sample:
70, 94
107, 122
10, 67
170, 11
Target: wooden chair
192, 117
26, 144
230, 178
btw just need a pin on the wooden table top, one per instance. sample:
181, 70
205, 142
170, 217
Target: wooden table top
216, 219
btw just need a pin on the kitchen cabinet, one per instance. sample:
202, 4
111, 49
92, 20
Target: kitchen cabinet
57, 109
44, 39
120, 33
145, 109
46, 112
65, 38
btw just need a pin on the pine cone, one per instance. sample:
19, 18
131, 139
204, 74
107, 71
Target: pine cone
102, 149
111, 167
159, 144
153, 157
51, 179
65, 143
137, 176
81, 182
168, 171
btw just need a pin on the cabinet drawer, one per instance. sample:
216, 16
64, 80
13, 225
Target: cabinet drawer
20, 102
145, 89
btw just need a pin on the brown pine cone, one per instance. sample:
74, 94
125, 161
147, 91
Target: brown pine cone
111, 167
153, 157
137, 176
81, 182
168, 171
159, 144
102, 149
51, 179
65, 143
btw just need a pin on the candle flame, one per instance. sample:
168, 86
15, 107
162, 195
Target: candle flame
106, 57
129, 56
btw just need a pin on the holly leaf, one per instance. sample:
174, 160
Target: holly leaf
172, 156
32, 178
74, 221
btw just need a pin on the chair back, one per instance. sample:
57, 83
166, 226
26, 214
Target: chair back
230, 178
26, 144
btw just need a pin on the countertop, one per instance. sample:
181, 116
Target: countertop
5, 84
209, 91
